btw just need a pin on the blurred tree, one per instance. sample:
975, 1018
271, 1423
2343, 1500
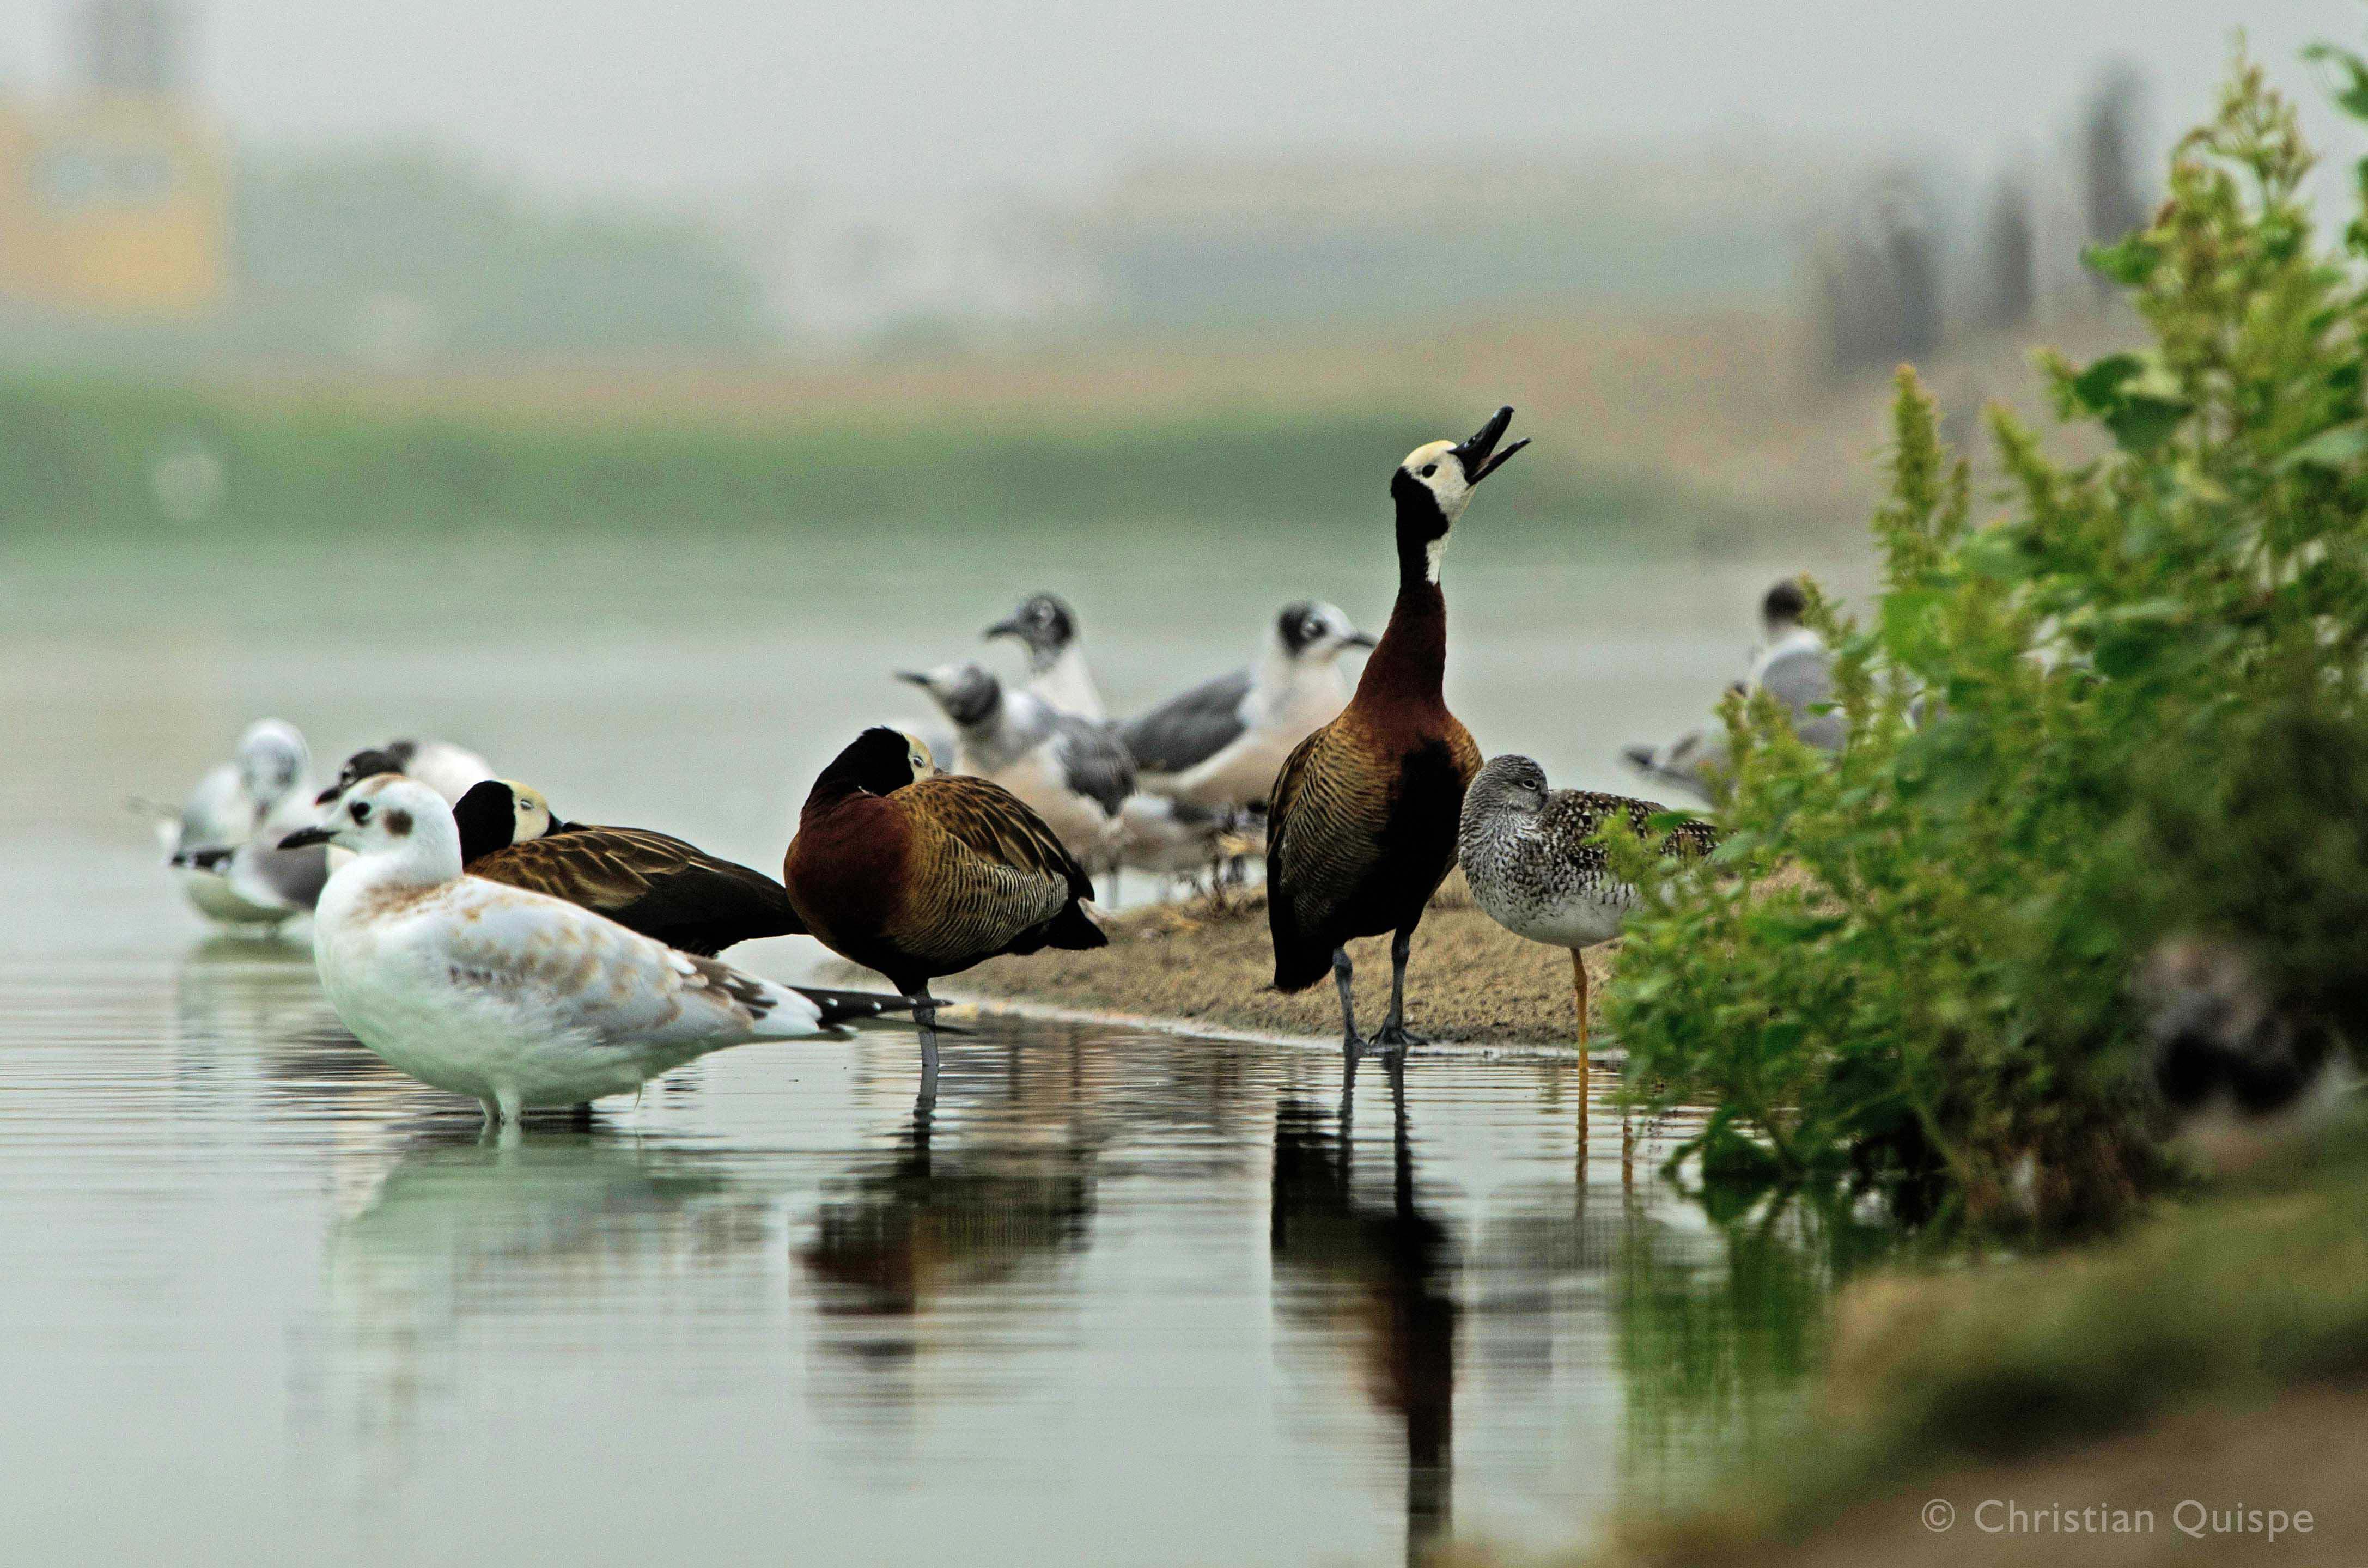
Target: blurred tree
398, 255
2113, 202
2008, 258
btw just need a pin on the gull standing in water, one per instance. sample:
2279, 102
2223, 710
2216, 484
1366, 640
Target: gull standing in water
511, 997
224, 843
1793, 665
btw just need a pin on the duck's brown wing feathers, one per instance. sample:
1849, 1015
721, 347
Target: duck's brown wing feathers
991, 820
988, 876
650, 882
1359, 836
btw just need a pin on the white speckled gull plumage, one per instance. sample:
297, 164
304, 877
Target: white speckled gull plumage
509, 996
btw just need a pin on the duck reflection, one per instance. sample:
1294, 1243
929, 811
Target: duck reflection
947, 1243
920, 1223
1376, 1275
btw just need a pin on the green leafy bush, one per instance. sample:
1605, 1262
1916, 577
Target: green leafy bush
1931, 1000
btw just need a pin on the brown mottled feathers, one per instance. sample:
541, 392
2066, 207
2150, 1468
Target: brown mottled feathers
994, 823
935, 877
1360, 831
649, 882
1572, 816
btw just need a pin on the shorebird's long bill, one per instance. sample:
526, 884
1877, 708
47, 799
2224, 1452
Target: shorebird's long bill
1479, 455
308, 835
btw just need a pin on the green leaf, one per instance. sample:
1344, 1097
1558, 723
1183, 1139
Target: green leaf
2140, 423
2351, 97
2099, 387
2130, 263
2336, 446
1735, 847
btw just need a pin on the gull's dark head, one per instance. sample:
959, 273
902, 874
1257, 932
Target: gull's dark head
969, 694
1786, 603
368, 762
1044, 622
1310, 628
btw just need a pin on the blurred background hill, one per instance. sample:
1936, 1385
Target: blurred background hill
1694, 249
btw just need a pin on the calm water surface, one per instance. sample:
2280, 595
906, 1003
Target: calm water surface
1122, 1297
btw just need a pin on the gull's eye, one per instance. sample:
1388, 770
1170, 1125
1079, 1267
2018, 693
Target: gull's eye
361, 811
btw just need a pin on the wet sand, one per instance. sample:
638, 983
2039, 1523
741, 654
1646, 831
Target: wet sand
1209, 962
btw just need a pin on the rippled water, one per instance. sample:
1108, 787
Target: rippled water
1122, 1297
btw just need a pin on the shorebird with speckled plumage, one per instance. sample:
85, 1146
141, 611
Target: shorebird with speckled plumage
1530, 856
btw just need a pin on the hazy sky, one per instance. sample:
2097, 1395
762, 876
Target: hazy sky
666, 94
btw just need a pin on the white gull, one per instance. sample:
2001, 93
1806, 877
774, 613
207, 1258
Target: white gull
512, 997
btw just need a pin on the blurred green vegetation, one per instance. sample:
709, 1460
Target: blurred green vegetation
2260, 1290
91, 454
1933, 1003
434, 255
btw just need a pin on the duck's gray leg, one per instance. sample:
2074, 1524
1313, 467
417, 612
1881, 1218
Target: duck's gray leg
928, 1016
1394, 1036
1351, 1043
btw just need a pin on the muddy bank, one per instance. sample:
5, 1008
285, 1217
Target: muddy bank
1208, 961
2120, 1501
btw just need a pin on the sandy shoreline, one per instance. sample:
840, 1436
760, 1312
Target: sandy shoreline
1202, 966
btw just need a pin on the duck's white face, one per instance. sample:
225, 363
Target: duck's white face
1437, 467
532, 813
924, 765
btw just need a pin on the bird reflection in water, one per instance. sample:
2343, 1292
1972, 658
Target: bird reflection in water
923, 1229
562, 1245
1382, 1272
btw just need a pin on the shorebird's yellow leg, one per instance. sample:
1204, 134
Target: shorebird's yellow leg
1579, 990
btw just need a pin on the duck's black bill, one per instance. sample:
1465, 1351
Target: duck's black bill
305, 837
1479, 455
